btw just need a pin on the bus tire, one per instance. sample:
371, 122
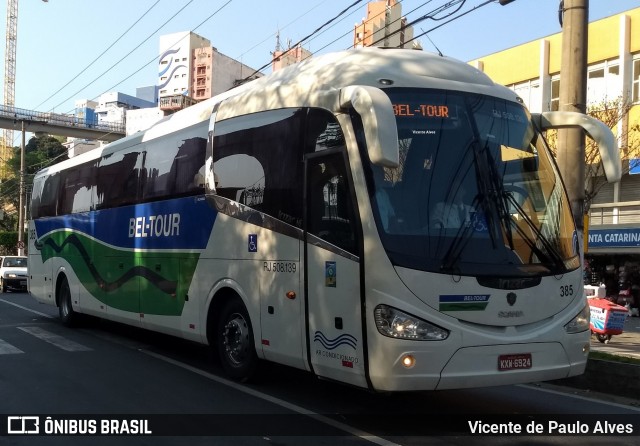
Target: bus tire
235, 342
65, 309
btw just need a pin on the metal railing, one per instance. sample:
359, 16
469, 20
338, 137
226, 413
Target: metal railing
60, 119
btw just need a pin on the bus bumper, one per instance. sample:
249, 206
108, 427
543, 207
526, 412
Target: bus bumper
479, 366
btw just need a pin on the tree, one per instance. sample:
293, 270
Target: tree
615, 115
40, 151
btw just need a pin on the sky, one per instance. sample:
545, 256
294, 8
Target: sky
70, 50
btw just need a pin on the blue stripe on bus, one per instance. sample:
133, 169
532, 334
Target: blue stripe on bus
182, 223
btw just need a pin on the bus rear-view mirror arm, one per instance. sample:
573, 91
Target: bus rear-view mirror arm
376, 111
597, 130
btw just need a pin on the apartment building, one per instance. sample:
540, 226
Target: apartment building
384, 26
191, 70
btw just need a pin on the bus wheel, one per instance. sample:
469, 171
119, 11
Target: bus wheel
67, 315
235, 342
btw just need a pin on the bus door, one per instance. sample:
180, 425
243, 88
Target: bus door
332, 270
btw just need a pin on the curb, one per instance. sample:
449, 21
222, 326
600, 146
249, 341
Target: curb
607, 377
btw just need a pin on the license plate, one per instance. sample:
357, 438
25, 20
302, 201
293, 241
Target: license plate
514, 362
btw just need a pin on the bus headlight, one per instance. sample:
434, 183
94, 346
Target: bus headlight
580, 322
398, 324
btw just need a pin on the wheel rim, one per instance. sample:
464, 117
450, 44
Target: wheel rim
65, 308
235, 339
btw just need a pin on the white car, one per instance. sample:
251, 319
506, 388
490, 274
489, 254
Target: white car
13, 273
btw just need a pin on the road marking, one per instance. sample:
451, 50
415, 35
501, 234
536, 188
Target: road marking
290, 406
115, 339
8, 349
54, 339
25, 308
580, 397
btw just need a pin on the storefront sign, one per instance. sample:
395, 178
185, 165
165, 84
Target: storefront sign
614, 238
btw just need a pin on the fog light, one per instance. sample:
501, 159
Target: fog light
408, 361
586, 348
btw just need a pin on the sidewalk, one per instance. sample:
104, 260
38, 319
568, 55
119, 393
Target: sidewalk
613, 378
625, 344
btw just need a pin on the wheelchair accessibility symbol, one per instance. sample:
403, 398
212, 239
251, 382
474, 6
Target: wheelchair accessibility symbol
253, 243
478, 222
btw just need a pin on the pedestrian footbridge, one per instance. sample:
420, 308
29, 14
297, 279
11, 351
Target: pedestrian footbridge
12, 118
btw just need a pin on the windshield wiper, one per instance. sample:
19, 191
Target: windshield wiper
551, 253
460, 240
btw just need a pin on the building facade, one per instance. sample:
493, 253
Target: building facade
112, 106
191, 70
613, 74
383, 26
290, 56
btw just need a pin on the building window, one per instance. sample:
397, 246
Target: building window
555, 94
603, 82
636, 80
530, 93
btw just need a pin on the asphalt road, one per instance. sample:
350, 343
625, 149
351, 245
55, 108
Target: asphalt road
106, 370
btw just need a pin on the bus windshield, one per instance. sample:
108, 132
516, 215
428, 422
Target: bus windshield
476, 191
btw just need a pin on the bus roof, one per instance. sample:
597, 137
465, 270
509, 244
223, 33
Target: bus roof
297, 85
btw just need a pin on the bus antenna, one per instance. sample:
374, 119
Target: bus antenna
432, 43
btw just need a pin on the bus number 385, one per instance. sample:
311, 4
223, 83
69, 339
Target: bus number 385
566, 290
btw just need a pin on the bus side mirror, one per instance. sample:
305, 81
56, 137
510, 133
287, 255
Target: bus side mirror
600, 133
378, 120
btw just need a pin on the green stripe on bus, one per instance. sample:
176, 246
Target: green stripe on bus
472, 306
135, 281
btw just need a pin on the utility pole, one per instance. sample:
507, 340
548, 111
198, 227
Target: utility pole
573, 97
22, 200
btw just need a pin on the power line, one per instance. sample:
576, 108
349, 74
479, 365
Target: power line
370, 20
431, 15
155, 57
454, 18
304, 39
279, 29
128, 54
100, 55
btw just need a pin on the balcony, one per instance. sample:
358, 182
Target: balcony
175, 103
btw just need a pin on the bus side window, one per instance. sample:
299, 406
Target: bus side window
330, 213
257, 161
117, 182
76, 190
182, 176
49, 198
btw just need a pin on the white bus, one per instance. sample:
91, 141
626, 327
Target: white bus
306, 218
